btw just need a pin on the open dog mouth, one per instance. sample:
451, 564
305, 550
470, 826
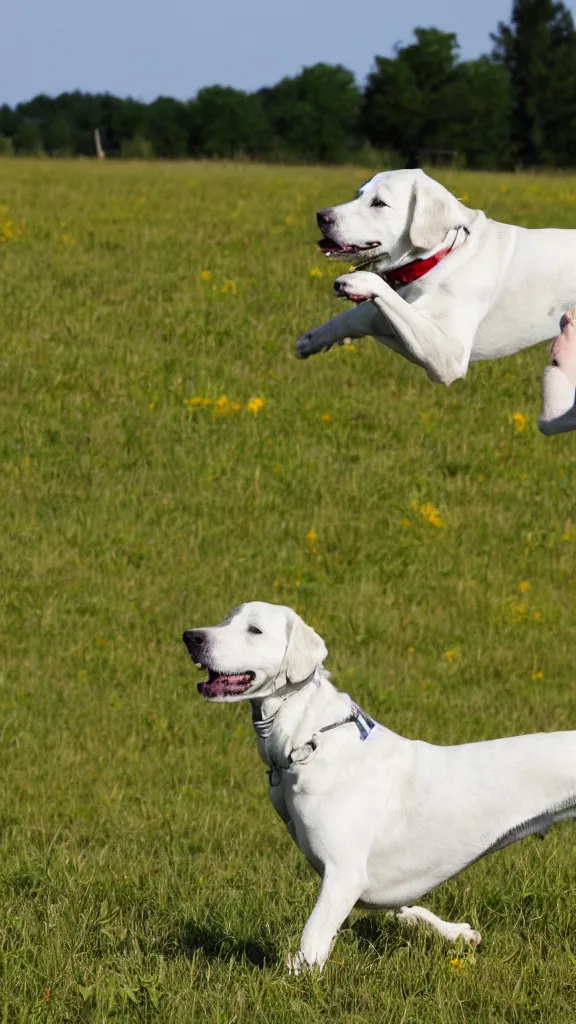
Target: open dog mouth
222, 684
331, 248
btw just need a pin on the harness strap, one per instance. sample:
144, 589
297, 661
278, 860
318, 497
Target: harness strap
361, 720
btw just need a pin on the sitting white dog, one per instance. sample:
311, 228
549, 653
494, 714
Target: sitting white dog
449, 285
381, 818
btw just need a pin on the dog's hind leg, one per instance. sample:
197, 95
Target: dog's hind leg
559, 381
449, 930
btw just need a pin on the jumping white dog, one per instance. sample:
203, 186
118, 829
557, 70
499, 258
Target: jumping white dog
381, 818
450, 286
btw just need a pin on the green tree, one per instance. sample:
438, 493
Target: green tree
402, 100
28, 139
9, 121
314, 116
477, 124
424, 99
57, 137
538, 50
126, 120
432, 58
230, 122
83, 112
136, 148
392, 115
167, 127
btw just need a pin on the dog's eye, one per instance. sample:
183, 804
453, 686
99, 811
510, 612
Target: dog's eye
378, 202
254, 629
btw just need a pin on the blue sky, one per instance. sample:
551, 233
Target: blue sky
144, 49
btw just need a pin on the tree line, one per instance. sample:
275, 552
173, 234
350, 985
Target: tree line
513, 107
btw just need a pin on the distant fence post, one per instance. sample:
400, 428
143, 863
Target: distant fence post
97, 142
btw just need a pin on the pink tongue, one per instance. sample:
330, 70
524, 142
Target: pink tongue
225, 684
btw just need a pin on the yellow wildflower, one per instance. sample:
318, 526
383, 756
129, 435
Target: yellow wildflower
524, 586
222, 406
229, 286
205, 275
311, 541
255, 404
431, 513
316, 272
520, 612
411, 650
465, 198
405, 524
503, 188
348, 346
67, 239
197, 400
7, 231
290, 219
538, 675
537, 616
327, 418
450, 655
428, 512
457, 963
519, 420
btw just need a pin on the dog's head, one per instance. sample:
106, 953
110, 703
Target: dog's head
257, 649
396, 215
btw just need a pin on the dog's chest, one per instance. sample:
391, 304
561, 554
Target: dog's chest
296, 805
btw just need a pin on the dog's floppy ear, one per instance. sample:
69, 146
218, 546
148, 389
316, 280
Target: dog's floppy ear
306, 650
434, 212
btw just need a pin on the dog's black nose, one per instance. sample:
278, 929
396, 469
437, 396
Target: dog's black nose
194, 639
325, 218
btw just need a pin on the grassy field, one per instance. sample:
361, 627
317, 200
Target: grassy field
428, 534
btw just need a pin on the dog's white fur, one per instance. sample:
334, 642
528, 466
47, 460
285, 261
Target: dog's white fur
501, 289
382, 819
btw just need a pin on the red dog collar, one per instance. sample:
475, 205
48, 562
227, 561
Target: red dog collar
412, 271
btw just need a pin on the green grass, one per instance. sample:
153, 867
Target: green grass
143, 874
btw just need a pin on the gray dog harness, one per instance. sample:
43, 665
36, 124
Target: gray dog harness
302, 755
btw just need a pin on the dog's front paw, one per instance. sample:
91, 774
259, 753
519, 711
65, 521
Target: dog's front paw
358, 287
296, 963
310, 344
